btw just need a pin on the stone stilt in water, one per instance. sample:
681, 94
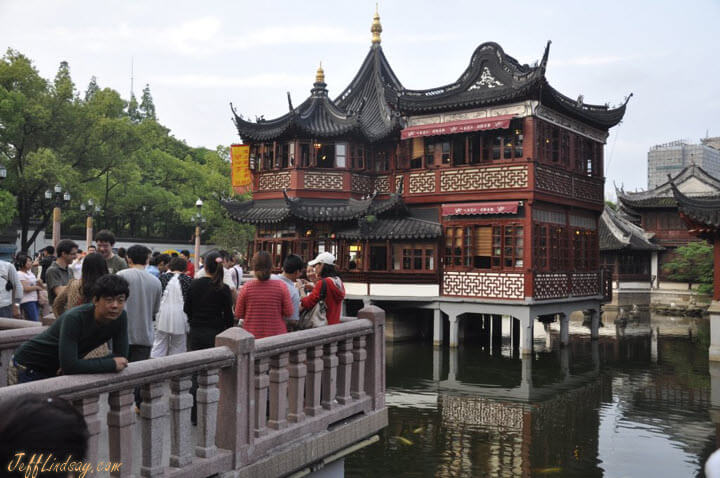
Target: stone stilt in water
654, 335
452, 364
565, 362
437, 364
714, 311
454, 333
515, 335
564, 329
526, 333
437, 328
548, 336
496, 331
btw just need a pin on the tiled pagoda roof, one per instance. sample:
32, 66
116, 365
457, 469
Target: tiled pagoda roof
617, 233
393, 228
316, 210
493, 77
703, 212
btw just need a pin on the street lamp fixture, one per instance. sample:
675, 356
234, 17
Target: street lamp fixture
91, 209
199, 221
59, 199
3, 172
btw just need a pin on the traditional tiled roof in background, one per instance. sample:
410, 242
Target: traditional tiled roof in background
320, 210
393, 228
701, 211
618, 233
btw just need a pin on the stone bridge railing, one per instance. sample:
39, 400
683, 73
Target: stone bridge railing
13, 333
266, 407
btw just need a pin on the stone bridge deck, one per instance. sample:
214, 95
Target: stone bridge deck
267, 407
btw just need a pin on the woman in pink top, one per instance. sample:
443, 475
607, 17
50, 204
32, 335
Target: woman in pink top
262, 303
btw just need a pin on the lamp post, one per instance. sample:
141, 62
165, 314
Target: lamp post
91, 209
58, 198
199, 221
3, 172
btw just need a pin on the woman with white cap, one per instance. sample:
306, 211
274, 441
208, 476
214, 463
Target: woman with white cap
324, 265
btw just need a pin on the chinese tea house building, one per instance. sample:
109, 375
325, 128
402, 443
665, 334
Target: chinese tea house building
702, 217
656, 211
481, 196
630, 253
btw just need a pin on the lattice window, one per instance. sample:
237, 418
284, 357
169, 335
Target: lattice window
540, 254
484, 246
458, 249
413, 257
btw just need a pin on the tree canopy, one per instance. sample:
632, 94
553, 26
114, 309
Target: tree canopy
692, 263
99, 146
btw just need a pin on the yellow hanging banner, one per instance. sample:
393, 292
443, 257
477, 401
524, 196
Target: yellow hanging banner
241, 177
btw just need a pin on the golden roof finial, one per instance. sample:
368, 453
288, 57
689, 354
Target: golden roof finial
376, 28
320, 75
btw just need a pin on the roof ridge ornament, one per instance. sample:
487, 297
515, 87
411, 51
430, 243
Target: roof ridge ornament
320, 74
376, 28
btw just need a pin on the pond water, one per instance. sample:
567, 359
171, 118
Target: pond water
634, 403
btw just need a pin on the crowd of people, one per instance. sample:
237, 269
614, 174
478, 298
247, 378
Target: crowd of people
113, 307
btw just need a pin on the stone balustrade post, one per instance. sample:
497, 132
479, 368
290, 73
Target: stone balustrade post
89, 408
298, 372
329, 376
121, 421
314, 381
357, 388
236, 422
207, 397
262, 382
344, 371
279, 375
153, 411
375, 365
181, 447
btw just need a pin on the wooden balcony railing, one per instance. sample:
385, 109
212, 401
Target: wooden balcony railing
265, 407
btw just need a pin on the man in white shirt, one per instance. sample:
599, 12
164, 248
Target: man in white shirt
292, 268
11, 291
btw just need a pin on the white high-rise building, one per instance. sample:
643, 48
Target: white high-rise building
671, 158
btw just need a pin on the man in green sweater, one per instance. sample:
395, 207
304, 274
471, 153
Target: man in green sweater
60, 349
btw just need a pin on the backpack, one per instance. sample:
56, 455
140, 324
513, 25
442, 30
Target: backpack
317, 316
171, 318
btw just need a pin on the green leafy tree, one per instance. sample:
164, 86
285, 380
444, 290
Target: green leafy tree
233, 236
692, 263
91, 89
147, 107
132, 109
8, 209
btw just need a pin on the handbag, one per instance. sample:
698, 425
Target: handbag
317, 316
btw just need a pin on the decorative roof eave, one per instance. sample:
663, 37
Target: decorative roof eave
600, 116
353, 209
618, 233
661, 196
701, 211
406, 228
492, 76
246, 212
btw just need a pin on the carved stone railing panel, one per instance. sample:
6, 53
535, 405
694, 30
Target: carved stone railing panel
207, 397
279, 375
357, 387
478, 179
262, 383
297, 372
329, 181
89, 408
344, 371
314, 381
121, 424
329, 376
153, 412
275, 181
488, 285
181, 449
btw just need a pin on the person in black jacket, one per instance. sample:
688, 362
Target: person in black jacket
209, 310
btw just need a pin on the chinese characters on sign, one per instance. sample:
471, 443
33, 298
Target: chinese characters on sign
507, 207
241, 178
463, 126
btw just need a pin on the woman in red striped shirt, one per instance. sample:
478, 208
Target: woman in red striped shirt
262, 303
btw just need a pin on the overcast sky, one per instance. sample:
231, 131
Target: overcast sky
200, 56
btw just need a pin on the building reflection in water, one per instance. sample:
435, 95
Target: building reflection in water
635, 400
